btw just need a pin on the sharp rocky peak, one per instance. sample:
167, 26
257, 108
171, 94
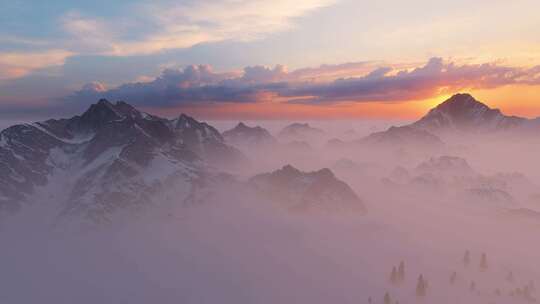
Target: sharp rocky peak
185, 121
190, 127
460, 104
104, 112
101, 112
464, 112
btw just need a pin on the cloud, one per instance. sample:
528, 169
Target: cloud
171, 25
94, 87
190, 23
262, 74
88, 35
15, 65
154, 27
193, 84
201, 85
434, 78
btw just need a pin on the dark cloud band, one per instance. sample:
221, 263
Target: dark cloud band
199, 84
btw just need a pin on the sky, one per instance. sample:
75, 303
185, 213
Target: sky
257, 59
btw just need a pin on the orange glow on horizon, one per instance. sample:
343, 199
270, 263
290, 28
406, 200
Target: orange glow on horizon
519, 100
511, 100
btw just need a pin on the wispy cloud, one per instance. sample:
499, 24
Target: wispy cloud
154, 27
185, 24
14, 65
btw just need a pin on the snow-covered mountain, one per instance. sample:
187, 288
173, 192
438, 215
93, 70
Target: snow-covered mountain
462, 112
244, 135
112, 156
206, 142
318, 191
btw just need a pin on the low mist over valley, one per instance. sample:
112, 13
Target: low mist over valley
116, 205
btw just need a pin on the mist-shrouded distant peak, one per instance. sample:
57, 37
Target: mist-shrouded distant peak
308, 191
446, 164
245, 135
404, 136
300, 131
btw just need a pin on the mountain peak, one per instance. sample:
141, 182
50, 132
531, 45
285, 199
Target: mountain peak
114, 155
462, 102
308, 191
100, 113
243, 127
185, 121
104, 102
300, 131
104, 111
463, 112
245, 135
289, 169
194, 131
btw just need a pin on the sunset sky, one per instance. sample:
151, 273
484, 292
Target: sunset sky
258, 59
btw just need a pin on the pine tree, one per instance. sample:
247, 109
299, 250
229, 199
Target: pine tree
483, 262
453, 278
510, 277
401, 271
467, 258
472, 287
394, 275
387, 299
421, 287
369, 300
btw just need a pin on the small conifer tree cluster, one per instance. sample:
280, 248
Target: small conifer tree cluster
421, 287
397, 275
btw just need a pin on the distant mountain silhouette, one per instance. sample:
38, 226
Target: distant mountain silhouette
403, 136
244, 135
299, 131
308, 191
